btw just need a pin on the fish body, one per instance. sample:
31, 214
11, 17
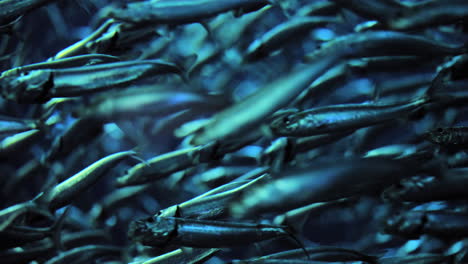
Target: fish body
428, 14
184, 255
277, 36
322, 253
162, 231
165, 164
442, 224
38, 86
251, 111
180, 12
64, 192
11, 9
324, 181
383, 43
335, 118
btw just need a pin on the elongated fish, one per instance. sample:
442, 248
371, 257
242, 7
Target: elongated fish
323, 181
336, 118
64, 192
251, 112
277, 36
38, 86
163, 231
11, 9
180, 12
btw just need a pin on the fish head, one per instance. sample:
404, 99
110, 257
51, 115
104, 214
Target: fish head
153, 231
438, 136
288, 124
285, 125
28, 87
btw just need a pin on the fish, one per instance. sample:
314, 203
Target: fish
278, 36
439, 223
12, 9
429, 14
38, 86
45, 249
104, 208
180, 12
85, 253
382, 43
324, 181
11, 145
250, 112
184, 255
78, 46
419, 259
322, 253
430, 188
211, 205
336, 118
14, 234
75, 61
380, 10
63, 193
138, 101
82, 131
452, 137
165, 164
10, 126
163, 231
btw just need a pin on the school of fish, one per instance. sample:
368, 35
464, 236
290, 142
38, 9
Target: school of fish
234, 131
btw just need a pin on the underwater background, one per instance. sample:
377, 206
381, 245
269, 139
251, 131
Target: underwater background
233, 131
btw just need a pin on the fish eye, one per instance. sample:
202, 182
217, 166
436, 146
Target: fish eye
440, 130
286, 120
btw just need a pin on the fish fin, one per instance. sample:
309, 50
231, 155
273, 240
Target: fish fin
206, 26
297, 241
376, 93
191, 127
184, 63
136, 155
56, 228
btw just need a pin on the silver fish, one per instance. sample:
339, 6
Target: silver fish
335, 118
180, 12
251, 111
163, 231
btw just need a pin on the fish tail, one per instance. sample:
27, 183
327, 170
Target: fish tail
136, 156
184, 63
